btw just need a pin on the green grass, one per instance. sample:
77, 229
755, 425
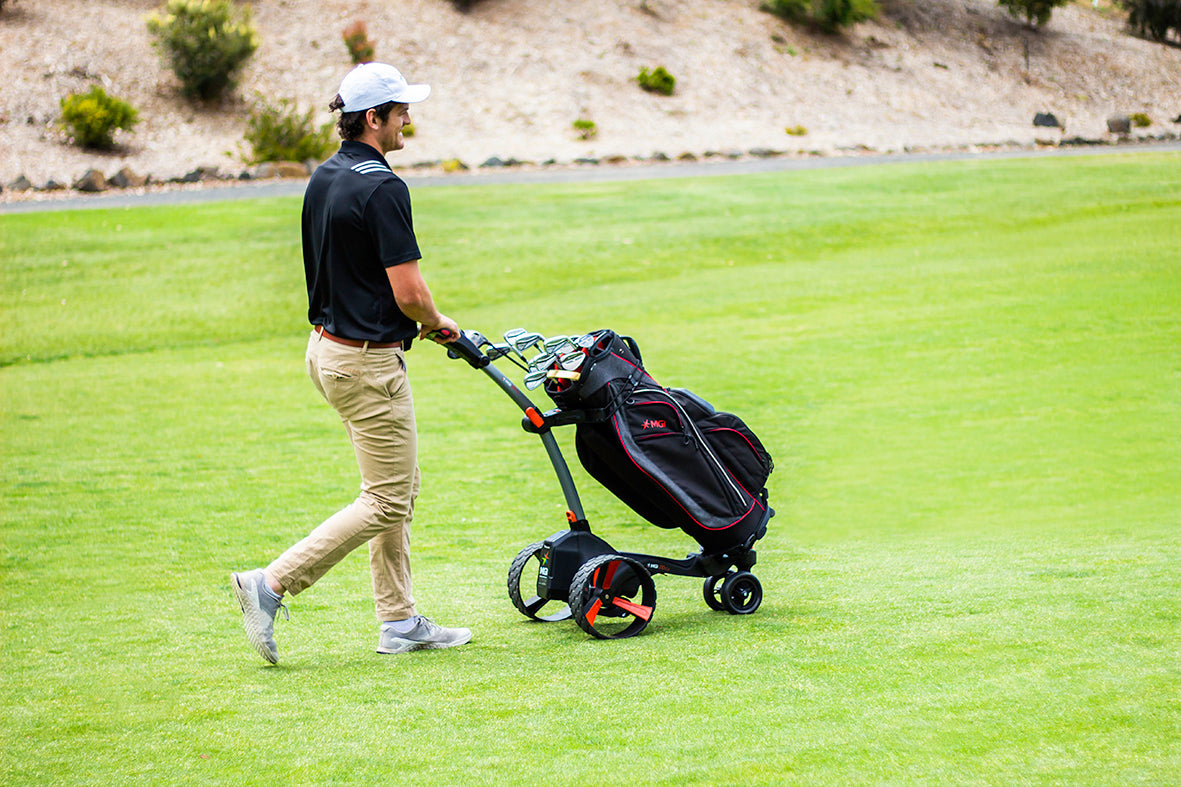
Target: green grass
968, 374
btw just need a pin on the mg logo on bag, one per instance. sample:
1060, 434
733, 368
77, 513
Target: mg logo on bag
654, 424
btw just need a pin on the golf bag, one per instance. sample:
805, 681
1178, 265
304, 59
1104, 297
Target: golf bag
666, 453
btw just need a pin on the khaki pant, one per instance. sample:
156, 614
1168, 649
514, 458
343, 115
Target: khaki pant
369, 389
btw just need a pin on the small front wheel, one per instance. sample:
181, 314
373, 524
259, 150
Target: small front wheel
711, 591
612, 597
529, 603
741, 593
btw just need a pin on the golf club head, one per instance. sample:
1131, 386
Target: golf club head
572, 361
555, 343
477, 338
528, 340
535, 378
498, 351
543, 361
512, 334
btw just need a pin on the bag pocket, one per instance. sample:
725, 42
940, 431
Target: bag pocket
738, 449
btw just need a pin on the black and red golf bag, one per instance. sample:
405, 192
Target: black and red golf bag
665, 452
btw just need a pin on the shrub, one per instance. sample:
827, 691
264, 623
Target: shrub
828, 15
279, 132
1036, 12
788, 10
1141, 120
657, 81
356, 39
586, 129
92, 118
1153, 18
205, 42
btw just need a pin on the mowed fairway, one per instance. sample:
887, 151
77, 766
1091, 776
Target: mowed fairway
969, 375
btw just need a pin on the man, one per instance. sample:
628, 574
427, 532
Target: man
367, 300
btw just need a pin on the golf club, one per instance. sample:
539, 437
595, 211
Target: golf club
527, 340
543, 361
510, 336
556, 343
571, 361
498, 351
535, 378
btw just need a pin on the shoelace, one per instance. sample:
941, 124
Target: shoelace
418, 620
279, 606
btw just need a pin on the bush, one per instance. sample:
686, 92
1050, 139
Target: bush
1141, 120
1036, 12
828, 15
586, 129
356, 39
279, 132
1153, 18
92, 118
205, 42
789, 10
657, 81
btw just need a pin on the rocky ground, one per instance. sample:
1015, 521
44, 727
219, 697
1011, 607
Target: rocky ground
510, 77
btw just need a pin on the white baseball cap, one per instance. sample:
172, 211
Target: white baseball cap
373, 84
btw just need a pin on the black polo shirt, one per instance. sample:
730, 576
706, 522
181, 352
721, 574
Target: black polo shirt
357, 223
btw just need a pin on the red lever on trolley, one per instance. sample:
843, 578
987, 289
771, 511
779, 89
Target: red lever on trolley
535, 417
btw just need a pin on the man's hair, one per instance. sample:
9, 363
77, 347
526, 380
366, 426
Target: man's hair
351, 125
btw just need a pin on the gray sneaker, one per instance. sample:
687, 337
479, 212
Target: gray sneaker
258, 612
425, 635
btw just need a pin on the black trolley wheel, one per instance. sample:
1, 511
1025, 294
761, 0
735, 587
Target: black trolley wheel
531, 605
612, 597
712, 592
741, 593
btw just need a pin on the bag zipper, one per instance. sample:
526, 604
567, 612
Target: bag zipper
718, 468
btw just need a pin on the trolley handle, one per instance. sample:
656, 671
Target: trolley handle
463, 347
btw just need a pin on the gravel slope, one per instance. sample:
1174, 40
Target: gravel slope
510, 77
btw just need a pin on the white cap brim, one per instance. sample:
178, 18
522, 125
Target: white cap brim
414, 93
373, 84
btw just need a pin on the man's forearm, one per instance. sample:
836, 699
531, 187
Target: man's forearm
412, 294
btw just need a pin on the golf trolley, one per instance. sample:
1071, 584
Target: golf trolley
665, 452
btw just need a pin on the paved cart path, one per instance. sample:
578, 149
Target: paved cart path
582, 173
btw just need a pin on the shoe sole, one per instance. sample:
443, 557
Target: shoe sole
411, 646
253, 629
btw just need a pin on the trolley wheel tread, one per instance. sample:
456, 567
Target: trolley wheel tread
612, 597
741, 593
532, 606
711, 591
